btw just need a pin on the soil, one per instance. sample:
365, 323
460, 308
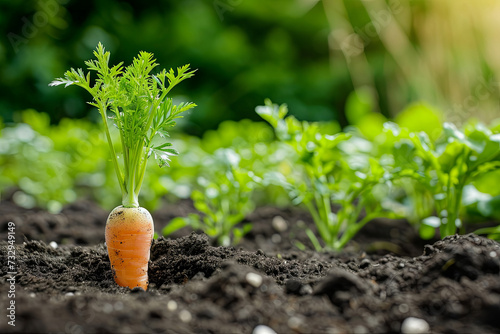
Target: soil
383, 282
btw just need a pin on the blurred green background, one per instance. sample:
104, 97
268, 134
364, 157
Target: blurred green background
244, 51
309, 54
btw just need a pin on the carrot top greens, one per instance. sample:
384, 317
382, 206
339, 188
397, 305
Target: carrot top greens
137, 103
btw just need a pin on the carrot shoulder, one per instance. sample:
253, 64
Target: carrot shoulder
129, 232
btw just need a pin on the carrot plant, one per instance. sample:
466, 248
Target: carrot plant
223, 198
135, 101
326, 178
445, 167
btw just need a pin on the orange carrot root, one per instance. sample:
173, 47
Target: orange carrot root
129, 232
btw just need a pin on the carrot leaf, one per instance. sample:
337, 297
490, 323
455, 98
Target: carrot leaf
136, 102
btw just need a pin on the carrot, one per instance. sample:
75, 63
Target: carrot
129, 232
136, 102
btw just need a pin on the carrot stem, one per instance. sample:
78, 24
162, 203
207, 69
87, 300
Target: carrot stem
111, 148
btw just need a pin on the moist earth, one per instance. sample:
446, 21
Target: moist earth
382, 282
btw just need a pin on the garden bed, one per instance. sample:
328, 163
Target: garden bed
382, 280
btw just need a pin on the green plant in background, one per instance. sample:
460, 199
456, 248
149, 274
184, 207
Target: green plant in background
483, 206
492, 232
183, 171
70, 161
224, 199
259, 152
446, 167
76, 149
72, 164
139, 107
324, 177
82, 147
230, 164
46, 183
408, 197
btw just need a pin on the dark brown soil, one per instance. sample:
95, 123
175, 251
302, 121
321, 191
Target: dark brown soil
381, 281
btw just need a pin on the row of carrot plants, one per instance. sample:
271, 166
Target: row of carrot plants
440, 181
398, 174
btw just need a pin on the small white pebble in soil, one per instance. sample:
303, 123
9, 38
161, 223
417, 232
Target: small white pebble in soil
306, 290
69, 294
279, 224
413, 325
32, 295
493, 254
254, 280
262, 329
172, 305
185, 316
53, 244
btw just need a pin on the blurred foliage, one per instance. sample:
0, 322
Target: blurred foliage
445, 167
51, 165
240, 165
224, 199
54, 165
310, 54
244, 53
403, 51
